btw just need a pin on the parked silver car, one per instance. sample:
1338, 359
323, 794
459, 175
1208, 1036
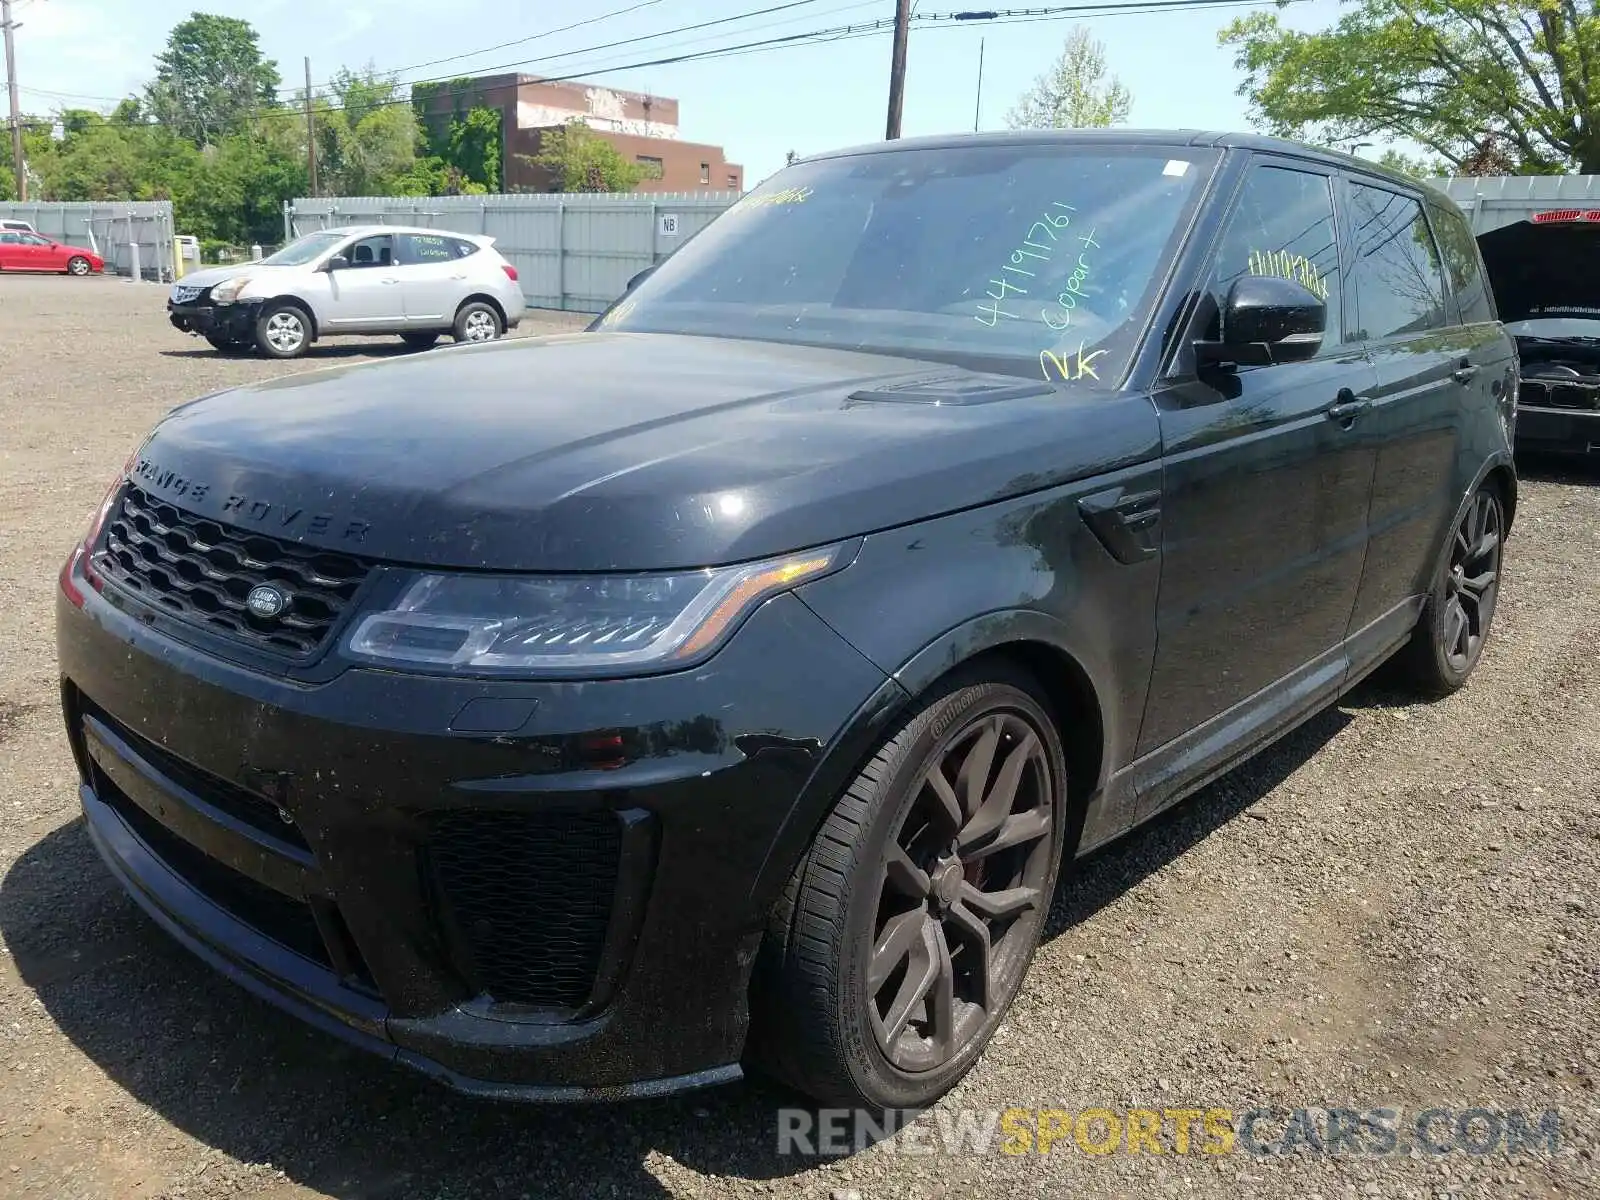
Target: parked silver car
361, 279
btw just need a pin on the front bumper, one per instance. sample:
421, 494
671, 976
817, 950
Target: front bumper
1558, 430
224, 320
545, 891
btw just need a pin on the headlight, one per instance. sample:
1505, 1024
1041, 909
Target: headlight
572, 623
228, 290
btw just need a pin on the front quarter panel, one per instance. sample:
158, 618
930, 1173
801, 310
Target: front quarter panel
920, 600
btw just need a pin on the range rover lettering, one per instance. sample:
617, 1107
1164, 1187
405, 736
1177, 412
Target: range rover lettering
730, 684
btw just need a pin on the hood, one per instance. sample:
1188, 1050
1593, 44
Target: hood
212, 276
624, 451
1539, 270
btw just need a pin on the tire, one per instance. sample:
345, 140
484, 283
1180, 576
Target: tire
419, 341
77, 265
283, 331
477, 322
228, 345
837, 1018
1454, 626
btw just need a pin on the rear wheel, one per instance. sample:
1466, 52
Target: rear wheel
1454, 626
283, 331
478, 322
905, 932
77, 265
419, 341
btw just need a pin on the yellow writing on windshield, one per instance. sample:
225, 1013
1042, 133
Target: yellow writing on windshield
784, 196
1295, 267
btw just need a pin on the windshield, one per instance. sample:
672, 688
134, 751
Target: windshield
1028, 259
304, 249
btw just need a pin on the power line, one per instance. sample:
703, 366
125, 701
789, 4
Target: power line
813, 37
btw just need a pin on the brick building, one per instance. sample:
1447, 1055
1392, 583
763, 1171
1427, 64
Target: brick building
643, 128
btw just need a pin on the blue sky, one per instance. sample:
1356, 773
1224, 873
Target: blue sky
757, 106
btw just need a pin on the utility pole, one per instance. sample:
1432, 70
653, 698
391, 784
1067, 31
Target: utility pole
311, 133
17, 163
977, 105
897, 71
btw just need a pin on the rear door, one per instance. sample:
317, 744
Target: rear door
1403, 311
1264, 509
432, 275
11, 251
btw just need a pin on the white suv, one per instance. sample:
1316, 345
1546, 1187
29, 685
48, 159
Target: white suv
368, 279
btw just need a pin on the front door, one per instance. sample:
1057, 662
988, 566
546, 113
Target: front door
1264, 508
367, 293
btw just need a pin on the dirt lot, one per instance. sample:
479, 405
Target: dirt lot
1394, 908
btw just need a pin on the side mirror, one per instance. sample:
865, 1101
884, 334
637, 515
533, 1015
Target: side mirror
1266, 319
337, 262
639, 278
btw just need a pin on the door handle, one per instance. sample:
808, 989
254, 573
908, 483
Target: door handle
1465, 373
388, 281
1347, 408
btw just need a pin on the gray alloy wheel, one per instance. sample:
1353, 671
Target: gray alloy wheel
283, 331
1454, 627
77, 265
477, 322
906, 931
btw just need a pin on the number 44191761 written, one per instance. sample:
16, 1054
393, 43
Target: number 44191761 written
1039, 246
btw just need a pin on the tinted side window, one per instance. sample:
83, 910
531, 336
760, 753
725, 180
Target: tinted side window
419, 248
1463, 264
463, 248
1397, 278
1283, 225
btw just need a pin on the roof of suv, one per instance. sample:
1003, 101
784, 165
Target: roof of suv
1131, 137
351, 230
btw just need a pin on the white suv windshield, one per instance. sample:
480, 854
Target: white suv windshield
1023, 258
304, 249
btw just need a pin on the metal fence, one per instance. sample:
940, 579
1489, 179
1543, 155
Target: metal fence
574, 252
1491, 201
110, 230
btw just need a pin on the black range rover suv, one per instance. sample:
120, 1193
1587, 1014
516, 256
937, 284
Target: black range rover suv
732, 682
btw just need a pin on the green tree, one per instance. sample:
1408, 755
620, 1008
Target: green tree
211, 80
1477, 82
579, 160
367, 137
462, 146
1076, 92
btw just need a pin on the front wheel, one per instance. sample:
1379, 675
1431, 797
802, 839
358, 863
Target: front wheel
77, 265
478, 322
905, 932
1454, 626
283, 331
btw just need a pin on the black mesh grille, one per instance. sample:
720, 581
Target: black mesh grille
1545, 394
201, 571
288, 922
242, 805
530, 896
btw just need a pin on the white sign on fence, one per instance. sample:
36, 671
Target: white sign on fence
669, 224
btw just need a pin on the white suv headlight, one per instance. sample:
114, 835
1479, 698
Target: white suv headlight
228, 290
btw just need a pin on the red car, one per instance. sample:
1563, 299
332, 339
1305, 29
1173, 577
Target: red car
35, 252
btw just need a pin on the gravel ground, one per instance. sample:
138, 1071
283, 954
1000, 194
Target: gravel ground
1393, 908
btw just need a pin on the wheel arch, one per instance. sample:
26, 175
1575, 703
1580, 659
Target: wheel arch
298, 302
1024, 640
484, 298
1504, 476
